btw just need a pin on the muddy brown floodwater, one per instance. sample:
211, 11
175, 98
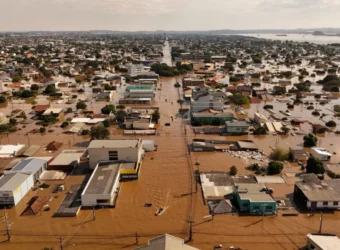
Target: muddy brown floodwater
166, 181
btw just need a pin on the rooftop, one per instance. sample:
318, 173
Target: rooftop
52, 111
253, 193
114, 143
140, 87
166, 242
31, 165
11, 181
67, 158
103, 178
325, 242
237, 124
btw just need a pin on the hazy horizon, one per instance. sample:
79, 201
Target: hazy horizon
177, 15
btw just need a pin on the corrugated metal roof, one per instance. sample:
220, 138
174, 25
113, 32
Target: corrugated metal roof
31, 165
11, 181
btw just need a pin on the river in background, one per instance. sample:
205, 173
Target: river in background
298, 38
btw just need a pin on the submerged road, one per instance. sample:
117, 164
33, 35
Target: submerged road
167, 54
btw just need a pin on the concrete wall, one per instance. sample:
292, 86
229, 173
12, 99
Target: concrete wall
237, 129
141, 125
124, 154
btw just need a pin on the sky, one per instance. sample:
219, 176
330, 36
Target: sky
136, 15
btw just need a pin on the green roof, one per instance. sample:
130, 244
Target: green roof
140, 87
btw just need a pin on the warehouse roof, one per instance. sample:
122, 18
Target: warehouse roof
114, 143
246, 145
67, 158
11, 181
103, 178
319, 191
236, 124
269, 179
29, 165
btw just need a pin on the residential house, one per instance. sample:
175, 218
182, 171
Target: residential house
105, 96
211, 118
237, 127
56, 113
299, 155
314, 194
322, 242
211, 100
320, 153
166, 242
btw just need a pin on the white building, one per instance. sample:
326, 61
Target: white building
10, 150
136, 69
141, 93
14, 186
166, 242
33, 166
115, 150
259, 118
213, 101
102, 188
320, 153
322, 242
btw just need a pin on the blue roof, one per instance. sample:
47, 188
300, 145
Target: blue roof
29, 165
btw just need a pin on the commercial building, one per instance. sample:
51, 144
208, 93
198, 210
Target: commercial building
254, 199
141, 122
102, 188
322, 242
105, 96
136, 69
166, 242
314, 194
135, 101
31, 166
189, 81
237, 127
320, 153
14, 186
140, 91
206, 118
214, 101
115, 150
67, 160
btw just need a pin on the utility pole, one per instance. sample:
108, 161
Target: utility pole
321, 219
93, 213
190, 227
8, 226
136, 235
61, 243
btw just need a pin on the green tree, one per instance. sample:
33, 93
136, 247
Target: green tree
310, 140
260, 131
34, 87
106, 123
108, 109
279, 154
274, 167
315, 166
50, 89
13, 121
239, 99
81, 105
99, 133
42, 130
3, 99
233, 170
331, 124
64, 124
155, 116
120, 116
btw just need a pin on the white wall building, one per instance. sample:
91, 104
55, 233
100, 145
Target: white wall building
320, 153
136, 69
322, 242
207, 102
102, 188
14, 186
115, 150
259, 118
33, 166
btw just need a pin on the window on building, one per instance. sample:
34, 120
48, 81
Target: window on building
113, 155
335, 203
256, 207
245, 205
268, 207
325, 203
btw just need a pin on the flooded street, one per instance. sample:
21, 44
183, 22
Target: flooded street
166, 181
